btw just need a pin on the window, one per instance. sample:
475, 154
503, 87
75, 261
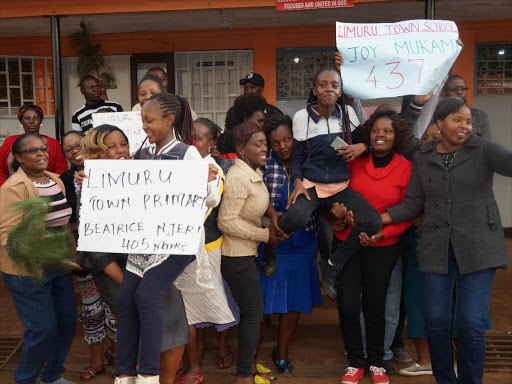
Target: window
209, 80
494, 69
25, 80
296, 68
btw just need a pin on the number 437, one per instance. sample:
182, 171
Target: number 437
400, 77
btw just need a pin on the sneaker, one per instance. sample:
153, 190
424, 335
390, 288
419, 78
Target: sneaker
352, 375
125, 380
329, 278
401, 355
59, 381
378, 375
269, 260
390, 370
417, 370
147, 380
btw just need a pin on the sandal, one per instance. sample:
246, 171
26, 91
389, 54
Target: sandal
221, 360
90, 373
283, 366
198, 379
260, 369
260, 379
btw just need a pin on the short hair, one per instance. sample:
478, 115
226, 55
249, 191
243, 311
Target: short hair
150, 77
28, 107
93, 145
87, 77
450, 79
242, 133
16, 148
275, 121
79, 133
244, 106
213, 129
448, 106
402, 135
154, 69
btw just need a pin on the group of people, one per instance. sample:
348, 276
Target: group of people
365, 193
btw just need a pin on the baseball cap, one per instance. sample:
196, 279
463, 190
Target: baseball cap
254, 78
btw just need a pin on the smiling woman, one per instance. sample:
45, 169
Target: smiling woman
31, 118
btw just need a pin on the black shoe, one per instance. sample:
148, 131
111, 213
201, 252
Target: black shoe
329, 278
390, 370
269, 260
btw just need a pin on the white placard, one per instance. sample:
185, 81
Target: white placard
142, 206
129, 122
393, 59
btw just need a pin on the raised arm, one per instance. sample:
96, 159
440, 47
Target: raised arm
499, 158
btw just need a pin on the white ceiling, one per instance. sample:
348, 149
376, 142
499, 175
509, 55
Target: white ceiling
457, 10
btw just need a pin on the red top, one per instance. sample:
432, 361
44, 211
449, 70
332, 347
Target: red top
383, 188
56, 160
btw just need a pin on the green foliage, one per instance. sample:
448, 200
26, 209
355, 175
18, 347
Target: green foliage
90, 61
33, 247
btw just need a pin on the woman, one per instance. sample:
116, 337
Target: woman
148, 86
97, 318
48, 336
31, 118
381, 178
460, 239
207, 307
243, 205
248, 107
295, 287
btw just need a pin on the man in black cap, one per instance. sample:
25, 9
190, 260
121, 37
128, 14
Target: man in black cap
252, 83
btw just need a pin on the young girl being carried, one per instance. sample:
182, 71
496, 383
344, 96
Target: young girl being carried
319, 169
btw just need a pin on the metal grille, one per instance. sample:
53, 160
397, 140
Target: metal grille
498, 353
8, 347
494, 69
296, 69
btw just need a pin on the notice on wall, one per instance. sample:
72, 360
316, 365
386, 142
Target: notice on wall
143, 206
395, 59
300, 5
129, 122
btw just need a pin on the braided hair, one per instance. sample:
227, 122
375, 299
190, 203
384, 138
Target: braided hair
174, 105
345, 119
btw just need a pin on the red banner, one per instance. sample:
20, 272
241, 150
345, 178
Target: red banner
300, 5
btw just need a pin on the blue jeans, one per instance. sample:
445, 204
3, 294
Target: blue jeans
392, 312
471, 305
47, 310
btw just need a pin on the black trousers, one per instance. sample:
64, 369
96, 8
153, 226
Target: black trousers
369, 271
241, 274
366, 218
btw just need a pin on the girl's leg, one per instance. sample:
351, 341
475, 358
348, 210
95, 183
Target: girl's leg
128, 327
298, 214
287, 325
193, 365
242, 276
223, 349
170, 362
111, 328
366, 219
148, 300
377, 264
349, 308
423, 351
201, 341
93, 313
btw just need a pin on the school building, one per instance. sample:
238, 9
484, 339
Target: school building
207, 46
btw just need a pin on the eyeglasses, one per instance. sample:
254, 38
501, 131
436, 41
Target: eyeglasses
455, 90
72, 149
33, 151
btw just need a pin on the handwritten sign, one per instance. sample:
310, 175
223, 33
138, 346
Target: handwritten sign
129, 122
299, 5
395, 59
143, 206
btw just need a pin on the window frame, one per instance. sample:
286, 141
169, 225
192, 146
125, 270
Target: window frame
475, 63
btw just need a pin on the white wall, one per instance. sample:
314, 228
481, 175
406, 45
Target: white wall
73, 99
499, 110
